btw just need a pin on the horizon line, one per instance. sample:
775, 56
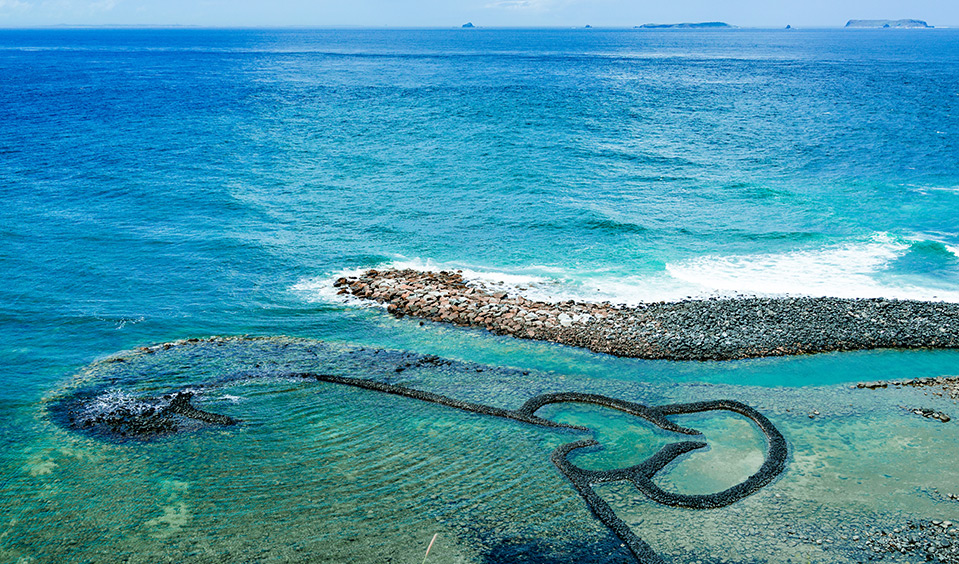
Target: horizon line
637, 27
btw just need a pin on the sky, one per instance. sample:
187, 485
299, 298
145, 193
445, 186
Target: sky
482, 13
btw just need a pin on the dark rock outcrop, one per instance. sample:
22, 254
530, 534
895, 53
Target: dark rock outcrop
141, 418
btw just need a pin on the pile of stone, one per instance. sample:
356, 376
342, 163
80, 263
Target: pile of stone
933, 541
446, 297
713, 329
912, 541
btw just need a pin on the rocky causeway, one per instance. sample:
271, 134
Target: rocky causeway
703, 329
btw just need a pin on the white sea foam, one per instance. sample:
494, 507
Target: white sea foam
112, 400
847, 271
942, 237
927, 189
320, 289
850, 270
541, 283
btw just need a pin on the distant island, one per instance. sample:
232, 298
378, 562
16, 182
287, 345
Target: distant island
888, 24
701, 25
468, 25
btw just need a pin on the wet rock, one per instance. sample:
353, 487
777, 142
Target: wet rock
128, 417
927, 539
948, 384
931, 414
180, 405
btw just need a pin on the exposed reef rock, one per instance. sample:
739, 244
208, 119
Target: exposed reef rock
915, 540
935, 541
931, 414
939, 386
118, 415
949, 385
714, 329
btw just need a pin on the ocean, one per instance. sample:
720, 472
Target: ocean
167, 184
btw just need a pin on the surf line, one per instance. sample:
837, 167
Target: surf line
640, 475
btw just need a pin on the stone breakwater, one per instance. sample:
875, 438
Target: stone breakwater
713, 329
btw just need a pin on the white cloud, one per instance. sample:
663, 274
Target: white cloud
528, 5
61, 6
13, 6
103, 5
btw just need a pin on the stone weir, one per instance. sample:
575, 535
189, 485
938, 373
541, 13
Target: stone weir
712, 329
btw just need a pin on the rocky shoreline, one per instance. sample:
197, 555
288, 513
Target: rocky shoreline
713, 329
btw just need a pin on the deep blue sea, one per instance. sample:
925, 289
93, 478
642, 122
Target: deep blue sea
164, 184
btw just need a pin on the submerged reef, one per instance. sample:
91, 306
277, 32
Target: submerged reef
712, 329
106, 411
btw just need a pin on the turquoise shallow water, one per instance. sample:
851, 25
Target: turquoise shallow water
166, 184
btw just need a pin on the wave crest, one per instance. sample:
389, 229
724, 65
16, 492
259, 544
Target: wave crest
880, 266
